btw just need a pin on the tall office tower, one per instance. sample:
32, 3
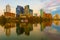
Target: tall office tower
41, 12
19, 10
8, 8
26, 10
31, 11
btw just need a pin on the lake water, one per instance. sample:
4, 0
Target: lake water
29, 31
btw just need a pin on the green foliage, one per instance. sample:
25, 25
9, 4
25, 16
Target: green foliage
3, 20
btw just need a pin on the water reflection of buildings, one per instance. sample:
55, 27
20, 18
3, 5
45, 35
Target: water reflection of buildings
35, 24
42, 26
24, 28
56, 22
8, 27
8, 31
19, 30
45, 24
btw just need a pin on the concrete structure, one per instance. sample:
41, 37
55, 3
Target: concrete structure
41, 12
56, 16
31, 11
26, 9
8, 8
9, 15
19, 10
27, 12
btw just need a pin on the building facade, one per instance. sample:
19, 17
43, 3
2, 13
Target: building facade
19, 10
56, 16
8, 8
41, 12
26, 9
9, 15
31, 11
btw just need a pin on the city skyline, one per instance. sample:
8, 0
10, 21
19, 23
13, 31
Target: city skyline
36, 5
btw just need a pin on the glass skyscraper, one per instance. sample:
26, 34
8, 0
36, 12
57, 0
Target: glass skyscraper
41, 12
19, 10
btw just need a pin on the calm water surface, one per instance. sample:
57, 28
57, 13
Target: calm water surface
28, 31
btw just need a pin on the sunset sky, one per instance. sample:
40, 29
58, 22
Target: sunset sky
52, 6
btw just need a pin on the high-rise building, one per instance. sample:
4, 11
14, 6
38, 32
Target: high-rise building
8, 8
31, 11
26, 10
41, 12
19, 10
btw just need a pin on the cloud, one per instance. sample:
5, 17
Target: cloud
52, 6
52, 3
45, 0
56, 11
42, 0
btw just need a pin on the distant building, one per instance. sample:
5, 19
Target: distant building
9, 15
19, 10
26, 9
8, 8
31, 11
56, 16
41, 12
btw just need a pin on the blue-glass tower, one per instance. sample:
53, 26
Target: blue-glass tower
19, 10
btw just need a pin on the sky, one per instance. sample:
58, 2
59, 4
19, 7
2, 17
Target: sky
49, 6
